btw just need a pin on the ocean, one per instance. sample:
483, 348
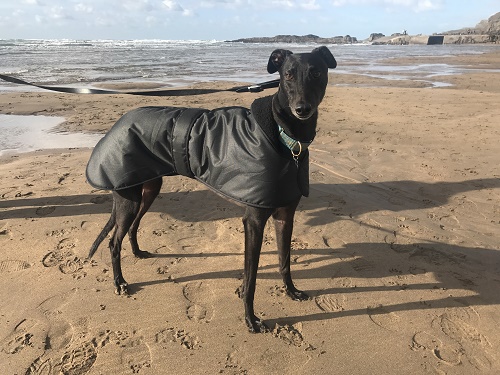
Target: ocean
77, 63
177, 63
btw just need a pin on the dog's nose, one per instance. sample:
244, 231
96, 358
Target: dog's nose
303, 109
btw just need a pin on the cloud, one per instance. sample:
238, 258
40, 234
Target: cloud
174, 6
415, 5
224, 3
138, 5
33, 2
257, 5
310, 5
307, 4
59, 13
83, 8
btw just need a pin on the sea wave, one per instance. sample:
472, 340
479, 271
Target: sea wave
68, 61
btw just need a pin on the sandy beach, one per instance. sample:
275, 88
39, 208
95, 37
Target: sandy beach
397, 245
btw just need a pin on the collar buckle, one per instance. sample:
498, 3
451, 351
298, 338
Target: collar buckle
296, 147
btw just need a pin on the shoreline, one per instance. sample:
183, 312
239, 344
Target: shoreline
396, 244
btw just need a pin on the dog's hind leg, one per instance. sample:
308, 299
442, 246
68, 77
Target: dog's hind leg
150, 191
283, 222
254, 222
127, 205
107, 228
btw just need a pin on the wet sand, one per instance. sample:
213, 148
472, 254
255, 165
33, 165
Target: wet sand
397, 246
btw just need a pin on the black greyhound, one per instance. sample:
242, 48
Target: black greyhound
258, 158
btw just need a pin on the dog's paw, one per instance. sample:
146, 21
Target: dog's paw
297, 295
122, 289
255, 325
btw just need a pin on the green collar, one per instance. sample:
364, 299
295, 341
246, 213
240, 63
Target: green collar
296, 147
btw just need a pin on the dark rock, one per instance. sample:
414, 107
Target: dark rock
375, 36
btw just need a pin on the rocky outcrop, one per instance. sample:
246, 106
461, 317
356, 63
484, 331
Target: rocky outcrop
493, 27
484, 32
304, 39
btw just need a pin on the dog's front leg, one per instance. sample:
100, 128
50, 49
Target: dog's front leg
254, 222
283, 222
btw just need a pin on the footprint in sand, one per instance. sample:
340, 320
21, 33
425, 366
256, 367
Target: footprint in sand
64, 257
41, 366
59, 334
185, 339
44, 331
13, 265
443, 351
78, 360
49, 334
329, 303
136, 354
289, 356
200, 297
232, 367
458, 324
21, 337
292, 335
71, 265
63, 250
455, 341
386, 319
59, 331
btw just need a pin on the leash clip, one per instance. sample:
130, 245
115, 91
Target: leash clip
255, 88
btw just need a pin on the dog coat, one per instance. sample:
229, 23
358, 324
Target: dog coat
234, 151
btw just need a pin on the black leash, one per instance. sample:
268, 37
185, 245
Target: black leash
175, 92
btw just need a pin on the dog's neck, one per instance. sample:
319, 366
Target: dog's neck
281, 127
301, 130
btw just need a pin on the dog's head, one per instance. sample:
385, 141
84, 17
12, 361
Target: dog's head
303, 78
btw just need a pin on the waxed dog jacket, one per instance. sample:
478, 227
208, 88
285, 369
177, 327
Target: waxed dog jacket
234, 151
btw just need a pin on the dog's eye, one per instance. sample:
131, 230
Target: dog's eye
316, 74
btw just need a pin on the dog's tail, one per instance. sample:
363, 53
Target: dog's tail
105, 231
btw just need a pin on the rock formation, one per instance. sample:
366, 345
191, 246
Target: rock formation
486, 31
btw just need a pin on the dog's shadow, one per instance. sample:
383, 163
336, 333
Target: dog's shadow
455, 266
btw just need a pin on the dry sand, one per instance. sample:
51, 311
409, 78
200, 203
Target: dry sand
397, 247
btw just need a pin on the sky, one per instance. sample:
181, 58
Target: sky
233, 19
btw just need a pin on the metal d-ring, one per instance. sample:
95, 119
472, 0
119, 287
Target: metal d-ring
295, 156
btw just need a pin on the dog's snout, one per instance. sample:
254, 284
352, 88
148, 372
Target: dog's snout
303, 109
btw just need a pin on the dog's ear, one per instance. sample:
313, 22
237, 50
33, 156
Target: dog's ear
327, 56
276, 60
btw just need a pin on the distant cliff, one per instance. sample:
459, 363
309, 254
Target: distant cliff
491, 26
